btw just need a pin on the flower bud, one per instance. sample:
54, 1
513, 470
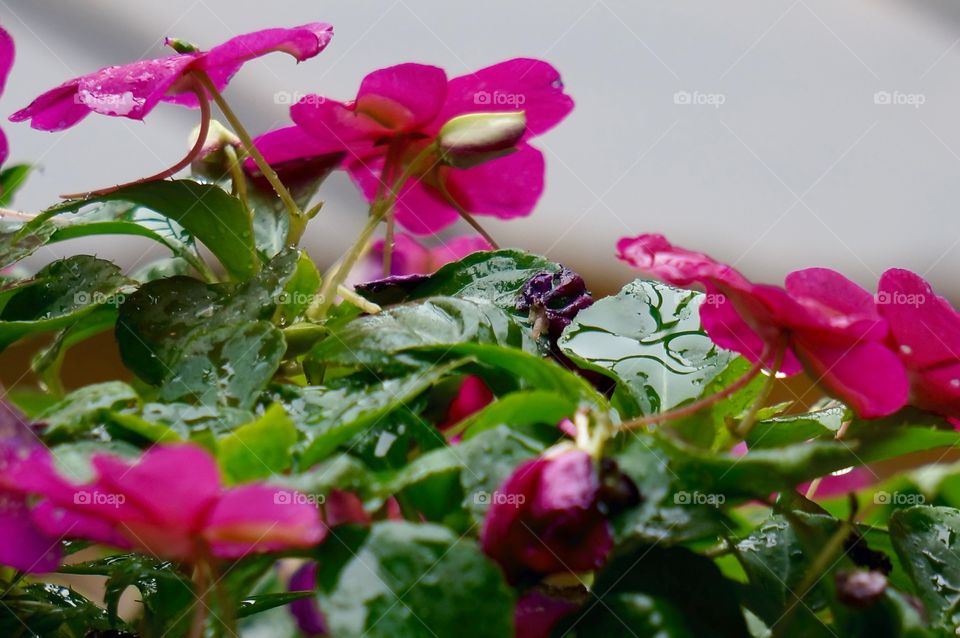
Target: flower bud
546, 518
474, 138
181, 46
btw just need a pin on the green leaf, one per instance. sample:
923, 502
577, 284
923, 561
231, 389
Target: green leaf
207, 212
488, 459
51, 611
60, 294
227, 365
47, 362
300, 291
329, 417
11, 179
181, 326
496, 277
796, 428
84, 409
418, 581
16, 242
648, 339
926, 539
259, 449
167, 594
262, 602
697, 599
670, 512
377, 340
777, 560
519, 409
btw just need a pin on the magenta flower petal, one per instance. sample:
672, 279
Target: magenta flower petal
507, 187
133, 90
537, 614
306, 611
938, 389
924, 325
6, 62
287, 144
25, 545
402, 97
175, 484
521, 84
55, 110
7, 53
222, 62
343, 508
254, 518
456, 248
726, 328
473, 396
334, 126
60, 522
866, 376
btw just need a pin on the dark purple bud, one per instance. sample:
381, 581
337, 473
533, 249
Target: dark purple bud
860, 588
537, 613
555, 298
307, 613
617, 492
390, 290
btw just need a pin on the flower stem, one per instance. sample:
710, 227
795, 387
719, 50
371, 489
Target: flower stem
201, 580
696, 406
388, 244
378, 210
176, 168
750, 420
297, 219
467, 217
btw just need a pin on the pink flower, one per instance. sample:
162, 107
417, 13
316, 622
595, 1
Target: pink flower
6, 62
171, 504
413, 258
827, 324
473, 396
926, 334
133, 90
546, 518
400, 109
22, 544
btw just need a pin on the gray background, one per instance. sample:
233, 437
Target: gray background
799, 166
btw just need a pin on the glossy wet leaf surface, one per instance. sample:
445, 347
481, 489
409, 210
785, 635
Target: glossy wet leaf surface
647, 338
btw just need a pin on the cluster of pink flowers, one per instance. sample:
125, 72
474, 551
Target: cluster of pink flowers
876, 353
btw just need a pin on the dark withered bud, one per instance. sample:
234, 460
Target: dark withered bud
617, 492
860, 588
554, 299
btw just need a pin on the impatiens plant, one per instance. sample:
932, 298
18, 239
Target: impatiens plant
434, 436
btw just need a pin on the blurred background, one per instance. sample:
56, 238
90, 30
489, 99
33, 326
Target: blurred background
774, 135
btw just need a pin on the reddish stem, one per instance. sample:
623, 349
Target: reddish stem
696, 406
197, 88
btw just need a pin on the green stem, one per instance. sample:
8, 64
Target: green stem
378, 210
237, 177
297, 220
750, 420
388, 245
201, 579
467, 217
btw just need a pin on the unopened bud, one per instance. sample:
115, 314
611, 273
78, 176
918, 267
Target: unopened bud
181, 46
478, 137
